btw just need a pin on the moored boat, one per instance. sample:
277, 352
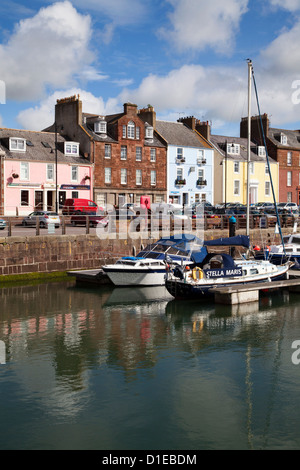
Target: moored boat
148, 268
220, 270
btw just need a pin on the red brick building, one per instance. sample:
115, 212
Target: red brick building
283, 146
129, 157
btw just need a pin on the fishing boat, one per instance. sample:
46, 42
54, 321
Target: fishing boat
220, 270
148, 267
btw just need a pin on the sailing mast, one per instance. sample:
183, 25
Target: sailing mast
249, 147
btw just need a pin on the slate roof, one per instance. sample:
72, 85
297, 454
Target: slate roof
219, 141
110, 119
37, 151
293, 137
176, 133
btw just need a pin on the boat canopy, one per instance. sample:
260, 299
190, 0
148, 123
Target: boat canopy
182, 242
238, 240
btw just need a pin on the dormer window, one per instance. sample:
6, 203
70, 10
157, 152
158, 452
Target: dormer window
17, 145
233, 149
100, 127
72, 148
261, 151
283, 139
149, 132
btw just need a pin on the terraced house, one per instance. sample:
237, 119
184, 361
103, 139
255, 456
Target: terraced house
39, 170
129, 158
283, 146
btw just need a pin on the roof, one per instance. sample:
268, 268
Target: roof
177, 133
41, 147
293, 137
219, 141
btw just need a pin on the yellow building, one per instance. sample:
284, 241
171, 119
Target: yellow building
233, 171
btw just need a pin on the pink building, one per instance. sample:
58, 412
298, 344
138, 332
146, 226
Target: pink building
36, 171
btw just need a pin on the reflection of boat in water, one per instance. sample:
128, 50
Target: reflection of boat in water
148, 268
127, 295
220, 270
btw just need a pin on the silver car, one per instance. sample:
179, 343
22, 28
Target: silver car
2, 224
45, 218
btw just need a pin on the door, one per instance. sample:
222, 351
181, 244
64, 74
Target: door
38, 200
61, 198
50, 201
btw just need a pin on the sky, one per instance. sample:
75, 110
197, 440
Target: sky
184, 57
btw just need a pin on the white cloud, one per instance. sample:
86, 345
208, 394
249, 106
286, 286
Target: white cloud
120, 12
42, 115
46, 50
290, 5
199, 24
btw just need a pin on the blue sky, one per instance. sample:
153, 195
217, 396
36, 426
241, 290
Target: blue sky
184, 57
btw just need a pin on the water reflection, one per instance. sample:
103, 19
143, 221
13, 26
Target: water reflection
78, 351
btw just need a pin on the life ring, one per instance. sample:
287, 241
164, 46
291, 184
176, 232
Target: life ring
197, 274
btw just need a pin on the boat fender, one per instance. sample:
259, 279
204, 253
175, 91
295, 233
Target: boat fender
197, 273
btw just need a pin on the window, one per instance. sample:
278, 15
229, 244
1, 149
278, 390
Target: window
267, 188
131, 130
266, 170
236, 167
152, 155
24, 198
107, 151
200, 174
50, 171
24, 171
179, 153
138, 177
251, 168
74, 173
283, 139
16, 144
124, 132
138, 154
149, 132
236, 188
233, 149
107, 175
71, 148
138, 133
123, 176
100, 127
153, 177
289, 178
289, 158
74, 194
261, 151
289, 197
179, 173
123, 152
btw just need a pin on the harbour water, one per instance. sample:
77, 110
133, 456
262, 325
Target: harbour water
133, 369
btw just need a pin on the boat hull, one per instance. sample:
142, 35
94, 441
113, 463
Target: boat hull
188, 290
136, 277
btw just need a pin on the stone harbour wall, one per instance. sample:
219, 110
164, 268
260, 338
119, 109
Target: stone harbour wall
21, 256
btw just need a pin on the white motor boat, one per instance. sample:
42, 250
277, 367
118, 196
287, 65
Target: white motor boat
148, 268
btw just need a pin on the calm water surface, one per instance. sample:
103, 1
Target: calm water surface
119, 369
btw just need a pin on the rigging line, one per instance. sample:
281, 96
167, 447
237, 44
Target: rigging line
268, 163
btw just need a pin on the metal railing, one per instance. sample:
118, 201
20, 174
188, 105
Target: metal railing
85, 224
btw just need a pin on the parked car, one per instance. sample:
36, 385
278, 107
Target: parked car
79, 206
45, 218
287, 205
94, 220
2, 224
